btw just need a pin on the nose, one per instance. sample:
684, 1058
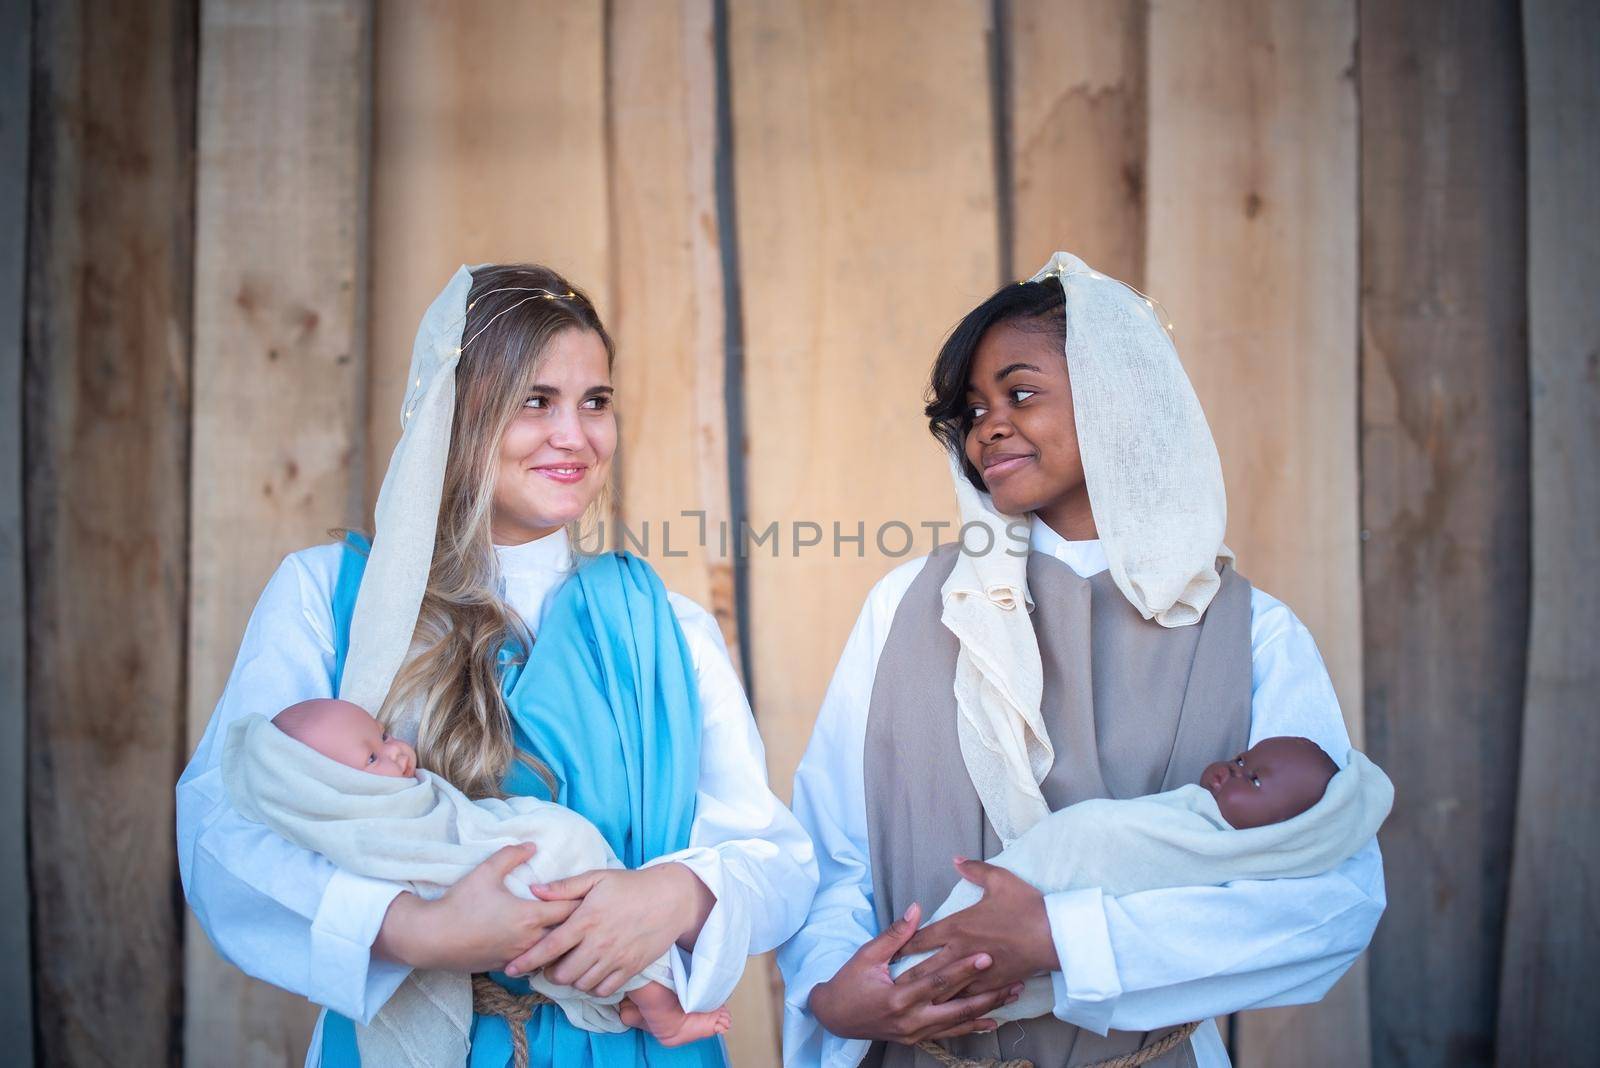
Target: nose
404, 756
992, 427
566, 432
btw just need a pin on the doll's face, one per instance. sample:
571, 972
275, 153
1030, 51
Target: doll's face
1274, 780
555, 456
345, 732
1023, 437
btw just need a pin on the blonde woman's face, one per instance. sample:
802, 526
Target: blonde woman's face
556, 454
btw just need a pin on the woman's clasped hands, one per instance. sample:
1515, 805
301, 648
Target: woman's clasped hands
623, 919
863, 1001
476, 926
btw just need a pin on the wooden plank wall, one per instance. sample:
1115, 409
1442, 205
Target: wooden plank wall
110, 234
1444, 497
1547, 992
279, 379
16, 959
855, 126
1076, 104
1251, 247
667, 314
488, 147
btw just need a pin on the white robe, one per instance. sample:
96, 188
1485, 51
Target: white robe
288, 916
1135, 962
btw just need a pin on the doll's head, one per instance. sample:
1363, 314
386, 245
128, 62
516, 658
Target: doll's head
345, 732
1274, 780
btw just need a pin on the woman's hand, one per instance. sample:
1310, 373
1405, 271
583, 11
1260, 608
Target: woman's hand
1009, 922
624, 920
862, 1001
477, 926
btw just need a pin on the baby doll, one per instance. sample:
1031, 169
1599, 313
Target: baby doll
1274, 780
419, 829
1280, 809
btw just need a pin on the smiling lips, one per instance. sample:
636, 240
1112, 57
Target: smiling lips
566, 474
1003, 464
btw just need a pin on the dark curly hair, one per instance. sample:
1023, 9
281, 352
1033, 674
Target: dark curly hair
1037, 306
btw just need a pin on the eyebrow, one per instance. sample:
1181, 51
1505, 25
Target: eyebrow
553, 391
1000, 375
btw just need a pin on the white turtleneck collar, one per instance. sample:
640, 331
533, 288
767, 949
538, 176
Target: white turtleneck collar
1086, 558
551, 553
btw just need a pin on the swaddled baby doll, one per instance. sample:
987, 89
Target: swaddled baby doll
1280, 809
417, 828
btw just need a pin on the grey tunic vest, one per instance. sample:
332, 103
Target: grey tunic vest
1132, 708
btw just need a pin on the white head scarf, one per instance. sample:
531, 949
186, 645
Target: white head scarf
406, 519
1155, 486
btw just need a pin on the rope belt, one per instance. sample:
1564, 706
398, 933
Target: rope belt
489, 998
1143, 1055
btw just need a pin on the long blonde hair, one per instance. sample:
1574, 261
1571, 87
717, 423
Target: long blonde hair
452, 673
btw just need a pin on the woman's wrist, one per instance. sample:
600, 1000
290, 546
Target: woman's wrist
1045, 957
700, 901
401, 937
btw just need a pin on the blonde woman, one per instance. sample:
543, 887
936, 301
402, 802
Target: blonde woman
514, 668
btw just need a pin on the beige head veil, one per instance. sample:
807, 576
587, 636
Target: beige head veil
406, 520
1155, 486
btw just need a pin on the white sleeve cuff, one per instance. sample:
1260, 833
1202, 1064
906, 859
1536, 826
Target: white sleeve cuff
1087, 986
343, 971
722, 949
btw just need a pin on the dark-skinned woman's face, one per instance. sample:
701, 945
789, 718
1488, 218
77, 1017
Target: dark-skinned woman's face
1023, 438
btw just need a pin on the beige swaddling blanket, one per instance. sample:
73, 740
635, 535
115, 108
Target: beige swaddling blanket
424, 832
1177, 838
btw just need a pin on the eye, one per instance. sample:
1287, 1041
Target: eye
372, 758
385, 737
538, 402
1255, 780
1239, 760
1020, 395
596, 404
975, 413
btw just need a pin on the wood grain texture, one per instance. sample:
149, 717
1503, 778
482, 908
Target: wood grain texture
1077, 101
106, 444
667, 317
1444, 451
1548, 997
866, 211
16, 962
279, 398
1252, 250
488, 147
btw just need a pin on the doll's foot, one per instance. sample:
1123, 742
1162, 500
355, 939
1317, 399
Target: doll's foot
665, 1019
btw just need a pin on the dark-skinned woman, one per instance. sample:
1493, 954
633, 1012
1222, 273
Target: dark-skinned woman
1087, 637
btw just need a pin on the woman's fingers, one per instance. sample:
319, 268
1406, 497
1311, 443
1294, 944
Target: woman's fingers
940, 959
887, 946
505, 859
613, 983
568, 889
568, 970
589, 982
943, 984
931, 937
555, 943
971, 1027
952, 1017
